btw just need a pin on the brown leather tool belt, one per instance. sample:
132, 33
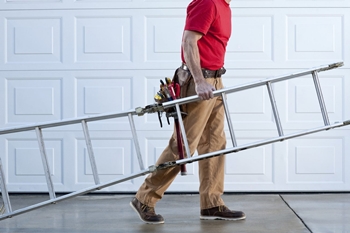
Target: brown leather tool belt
207, 73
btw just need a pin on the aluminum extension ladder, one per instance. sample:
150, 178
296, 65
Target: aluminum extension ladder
7, 209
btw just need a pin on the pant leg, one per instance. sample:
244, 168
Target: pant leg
211, 171
157, 183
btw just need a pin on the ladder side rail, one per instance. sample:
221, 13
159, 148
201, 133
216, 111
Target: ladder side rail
169, 164
45, 162
274, 109
4, 191
183, 132
136, 141
320, 98
76, 193
64, 122
254, 84
260, 143
90, 151
229, 121
168, 104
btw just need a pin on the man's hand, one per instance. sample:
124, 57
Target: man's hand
204, 90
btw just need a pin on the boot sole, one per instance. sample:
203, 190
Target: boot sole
221, 218
154, 223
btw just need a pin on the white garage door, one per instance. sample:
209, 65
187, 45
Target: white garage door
65, 58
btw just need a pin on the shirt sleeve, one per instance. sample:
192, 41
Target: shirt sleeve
200, 16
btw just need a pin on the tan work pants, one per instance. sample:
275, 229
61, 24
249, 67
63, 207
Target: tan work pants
204, 126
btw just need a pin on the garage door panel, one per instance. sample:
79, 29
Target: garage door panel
315, 35
103, 39
162, 40
30, 101
315, 160
33, 40
25, 169
251, 38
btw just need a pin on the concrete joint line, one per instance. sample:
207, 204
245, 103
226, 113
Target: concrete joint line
307, 227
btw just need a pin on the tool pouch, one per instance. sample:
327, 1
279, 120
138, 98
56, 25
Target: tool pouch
183, 78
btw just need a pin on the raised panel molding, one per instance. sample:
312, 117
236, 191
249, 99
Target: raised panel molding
33, 40
25, 163
163, 43
260, 168
110, 161
250, 106
303, 103
251, 39
113, 158
26, 156
33, 99
103, 39
314, 160
103, 94
313, 37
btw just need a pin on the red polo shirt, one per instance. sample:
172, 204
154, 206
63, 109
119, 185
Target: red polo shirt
212, 18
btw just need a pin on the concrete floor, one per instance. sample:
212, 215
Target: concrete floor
270, 213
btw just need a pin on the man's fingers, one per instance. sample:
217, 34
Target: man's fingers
206, 95
205, 91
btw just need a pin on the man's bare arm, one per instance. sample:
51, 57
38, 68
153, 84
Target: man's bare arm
191, 54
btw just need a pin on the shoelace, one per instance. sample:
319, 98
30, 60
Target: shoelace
223, 208
147, 209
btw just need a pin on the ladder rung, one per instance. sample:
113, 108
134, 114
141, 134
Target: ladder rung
229, 121
274, 109
320, 98
4, 191
136, 141
90, 152
47, 172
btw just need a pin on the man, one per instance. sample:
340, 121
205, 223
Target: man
207, 31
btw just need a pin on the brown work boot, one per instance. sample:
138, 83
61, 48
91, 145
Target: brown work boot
221, 213
146, 213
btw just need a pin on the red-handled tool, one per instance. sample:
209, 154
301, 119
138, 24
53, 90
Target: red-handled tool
175, 94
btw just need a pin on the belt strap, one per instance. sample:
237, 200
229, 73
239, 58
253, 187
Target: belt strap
207, 73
